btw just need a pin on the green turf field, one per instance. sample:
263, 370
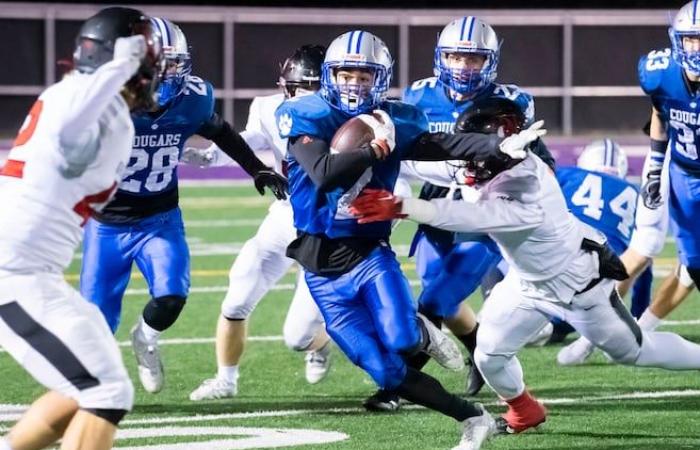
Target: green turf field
596, 406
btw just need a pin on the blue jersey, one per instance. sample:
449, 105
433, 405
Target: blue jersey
605, 202
326, 212
149, 184
664, 81
432, 97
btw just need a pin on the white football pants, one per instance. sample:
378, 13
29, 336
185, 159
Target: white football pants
62, 340
512, 316
259, 266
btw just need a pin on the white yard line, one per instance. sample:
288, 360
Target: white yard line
9, 413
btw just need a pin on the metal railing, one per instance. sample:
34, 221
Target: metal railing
50, 13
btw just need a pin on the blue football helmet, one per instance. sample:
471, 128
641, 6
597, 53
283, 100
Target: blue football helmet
178, 60
604, 156
467, 35
356, 50
686, 24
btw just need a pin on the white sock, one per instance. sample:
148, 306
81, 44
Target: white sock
648, 321
4, 445
668, 351
228, 373
151, 335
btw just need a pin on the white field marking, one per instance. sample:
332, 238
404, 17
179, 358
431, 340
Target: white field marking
222, 223
223, 202
10, 413
250, 437
198, 248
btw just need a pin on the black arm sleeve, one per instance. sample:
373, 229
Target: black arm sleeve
326, 170
230, 142
541, 150
443, 146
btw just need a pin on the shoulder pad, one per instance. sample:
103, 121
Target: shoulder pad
301, 115
652, 68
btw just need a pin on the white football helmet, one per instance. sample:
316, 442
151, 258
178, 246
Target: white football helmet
604, 156
467, 35
356, 50
685, 24
176, 52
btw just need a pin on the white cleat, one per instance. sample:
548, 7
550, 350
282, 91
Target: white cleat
317, 364
214, 389
542, 337
476, 430
441, 348
575, 353
148, 360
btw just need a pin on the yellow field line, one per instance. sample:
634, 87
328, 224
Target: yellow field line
221, 272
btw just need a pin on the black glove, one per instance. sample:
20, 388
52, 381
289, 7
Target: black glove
272, 180
651, 190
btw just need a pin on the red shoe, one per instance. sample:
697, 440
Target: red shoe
524, 412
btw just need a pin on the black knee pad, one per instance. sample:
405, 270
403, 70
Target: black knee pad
113, 416
694, 275
160, 313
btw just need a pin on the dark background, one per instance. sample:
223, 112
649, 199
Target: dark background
530, 56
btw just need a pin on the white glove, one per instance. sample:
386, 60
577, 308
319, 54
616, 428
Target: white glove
131, 49
384, 131
202, 157
514, 145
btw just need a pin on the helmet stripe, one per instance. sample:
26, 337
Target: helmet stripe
608, 153
359, 41
352, 33
471, 27
695, 11
464, 25
163, 29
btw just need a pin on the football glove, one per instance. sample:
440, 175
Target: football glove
651, 190
384, 131
515, 145
273, 181
377, 205
131, 48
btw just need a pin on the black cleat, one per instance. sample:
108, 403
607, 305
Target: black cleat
474, 380
382, 401
502, 426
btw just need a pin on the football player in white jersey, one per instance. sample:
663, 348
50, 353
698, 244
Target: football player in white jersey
262, 262
559, 267
65, 163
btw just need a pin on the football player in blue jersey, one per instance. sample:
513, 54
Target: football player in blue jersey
465, 65
352, 273
671, 78
598, 194
143, 222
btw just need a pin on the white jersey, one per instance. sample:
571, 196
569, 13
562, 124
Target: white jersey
524, 211
65, 163
260, 132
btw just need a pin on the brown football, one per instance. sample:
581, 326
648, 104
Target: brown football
353, 134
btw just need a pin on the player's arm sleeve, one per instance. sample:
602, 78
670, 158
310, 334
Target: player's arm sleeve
493, 215
253, 133
443, 146
326, 170
87, 105
231, 143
